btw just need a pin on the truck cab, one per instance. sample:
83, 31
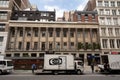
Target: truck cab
79, 66
6, 66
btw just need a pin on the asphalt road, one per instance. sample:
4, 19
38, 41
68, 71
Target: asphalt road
60, 77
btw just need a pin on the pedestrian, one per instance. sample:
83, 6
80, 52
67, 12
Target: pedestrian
92, 67
33, 68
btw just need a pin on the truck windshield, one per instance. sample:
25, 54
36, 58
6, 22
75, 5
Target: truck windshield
2, 63
80, 63
9, 63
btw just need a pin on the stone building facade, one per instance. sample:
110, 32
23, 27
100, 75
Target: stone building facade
31, 40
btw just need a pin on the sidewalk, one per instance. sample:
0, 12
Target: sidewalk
87, 70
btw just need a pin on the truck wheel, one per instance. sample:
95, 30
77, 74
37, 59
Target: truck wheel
79, 72
55, 72
0, 72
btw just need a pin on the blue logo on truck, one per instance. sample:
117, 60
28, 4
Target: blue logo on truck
55, 61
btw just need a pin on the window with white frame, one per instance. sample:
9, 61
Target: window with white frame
3, 15
118, 3
104, 43
107, 11
101, 11
117, 31
113, 12
58, 45
109, 21
99, 3
102, 20
115, 21
112, 3
1, 40
106, 3
118, 43
112, 45
119, 12
2, 25
103, 31
110, 31
4, 3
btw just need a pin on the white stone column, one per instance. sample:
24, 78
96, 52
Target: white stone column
115, 43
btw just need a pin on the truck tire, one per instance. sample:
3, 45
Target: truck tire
55, 72
0, 72
79, 72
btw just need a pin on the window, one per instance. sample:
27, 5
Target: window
58, 34
57, 45
102, 21
109, 21
104, 43
27, 45
72, 43
65, 43
103, 31
43, 34
99, 3
50, 34
113, 12
118, 12
110, 32
35, 45
43, 14
112, 43
17, 55
112, 4
101, 12
79, 17
21, 33
71, 34
8, 55
50, 45
20, 45
33, 55
79, 33
43, 45
65, 34
107, 12
118, 3
1, 40
106, 3
22, 18
25, 55
117, 32
28, 33
115, 21
3, 15
86, 34
118, 43
4, 3
2, 25
41, 55
36, 33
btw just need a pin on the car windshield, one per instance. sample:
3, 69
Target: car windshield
9, 63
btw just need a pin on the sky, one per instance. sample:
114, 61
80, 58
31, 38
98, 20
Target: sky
59, 5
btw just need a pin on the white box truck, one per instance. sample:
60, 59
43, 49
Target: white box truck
110, 63
6, 66
62, 63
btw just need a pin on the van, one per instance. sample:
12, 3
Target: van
6, 66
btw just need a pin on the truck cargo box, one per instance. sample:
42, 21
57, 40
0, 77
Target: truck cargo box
58, 62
